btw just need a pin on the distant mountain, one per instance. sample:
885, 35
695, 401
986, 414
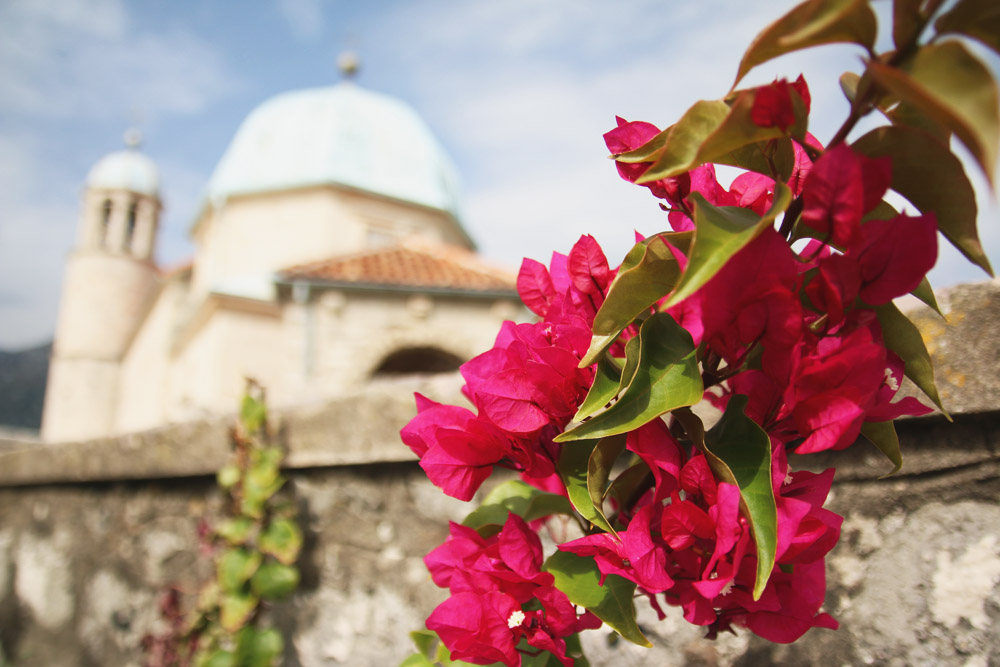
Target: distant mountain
23, 376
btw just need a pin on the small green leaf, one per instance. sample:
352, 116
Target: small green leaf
902, 337
745, 448
517, 497
607, 381
275, 580
228, 476
739, 452
812, 23
235, 567
578, 578
978, 19
666, 377
628, 482
574, 468
258, 648
683, 139
424, 640
235, 609
721, 232
218, 658
925, 293
282, 539
416, 660
602, 459
725, 141
929, 175
253, 414
235, 531
883, 435
953, 88
648, 273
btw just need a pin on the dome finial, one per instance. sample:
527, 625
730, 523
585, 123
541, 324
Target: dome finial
133, 138
348, 63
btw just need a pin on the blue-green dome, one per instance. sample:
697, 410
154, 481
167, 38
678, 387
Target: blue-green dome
342, 135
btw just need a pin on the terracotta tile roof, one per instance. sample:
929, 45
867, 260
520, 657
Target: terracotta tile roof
407, 266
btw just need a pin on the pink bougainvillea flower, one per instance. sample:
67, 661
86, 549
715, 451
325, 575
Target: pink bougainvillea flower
895, 255
627, 136
772, 105
834, 287
631, 554
751, 299
476, 627
659, 450
799, 594
841, 188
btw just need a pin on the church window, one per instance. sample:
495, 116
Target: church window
414, 360
102, 239
130, 227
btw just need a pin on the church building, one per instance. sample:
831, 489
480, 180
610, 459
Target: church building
329, 253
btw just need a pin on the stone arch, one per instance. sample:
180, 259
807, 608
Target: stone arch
413, 360
413, 353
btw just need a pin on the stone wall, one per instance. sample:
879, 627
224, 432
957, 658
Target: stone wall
91, 533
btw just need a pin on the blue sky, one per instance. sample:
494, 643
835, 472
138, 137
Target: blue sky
518, 91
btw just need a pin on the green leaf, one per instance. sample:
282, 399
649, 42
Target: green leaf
253, 414
578, 578
235, 567
902, 337
282, 539
574, 468
666, 377
258, 648
607, 381
424, 640
628, 482
219, 658
228, 476
520, 498
739, 452
745, 449
811, 23
725, 140
925, 293
275, 580
416, 660
648, 273
235, 531
950, 86
602, 459
929, 175
680, 143
978, 19
721, 232
235, 609
883, 435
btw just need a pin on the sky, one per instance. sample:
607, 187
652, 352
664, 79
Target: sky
519, 92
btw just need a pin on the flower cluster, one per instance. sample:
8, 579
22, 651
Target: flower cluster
500, 596
787, 334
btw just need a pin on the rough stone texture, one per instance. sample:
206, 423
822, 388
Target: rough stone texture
85, 551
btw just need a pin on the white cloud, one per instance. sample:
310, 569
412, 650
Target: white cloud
72, 59
304, 17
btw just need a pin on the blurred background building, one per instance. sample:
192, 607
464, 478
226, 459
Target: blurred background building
329, 253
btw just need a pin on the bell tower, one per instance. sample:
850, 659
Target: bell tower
108, 287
